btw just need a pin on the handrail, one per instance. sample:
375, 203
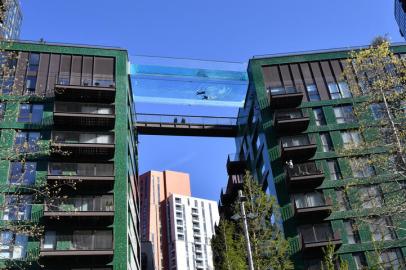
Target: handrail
184, 115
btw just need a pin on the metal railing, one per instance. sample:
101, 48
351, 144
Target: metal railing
185, 119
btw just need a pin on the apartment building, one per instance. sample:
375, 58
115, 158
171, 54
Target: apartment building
68, 161
298, 113
191, 223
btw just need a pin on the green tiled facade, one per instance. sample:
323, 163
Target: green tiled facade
258, 143
122, 220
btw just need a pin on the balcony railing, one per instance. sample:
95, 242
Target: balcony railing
316, 237
101, 90
80, 242
84, 115
298, 148
88, 138
81, 206
315, 208
293, 120
284, 97
304, 175
84, 143
101, 171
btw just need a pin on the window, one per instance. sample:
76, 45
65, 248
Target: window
312, 92
6, 84
339, 90
334, 169
31, 81
378, 110
351, 139
344, 114
50, 240
370, 196
26, 141
181, 237
326, 142
392, 259
361, 168
342, 200
382, 229
319, 116
30, 113
177, 200
33, 62
13, 246
352, 232
360, 260
334, 91
2, 110
22, 173
17, 207
307, 200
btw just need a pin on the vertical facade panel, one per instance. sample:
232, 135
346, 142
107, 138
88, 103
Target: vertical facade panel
20, 73
318, 77
271, 77
64, 71
87, 70
328, 75
297, 79
286, 77
53, 72
337, 71
76, 70
42, 75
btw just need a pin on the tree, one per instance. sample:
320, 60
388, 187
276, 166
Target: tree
269, 248
376, 77
228, 247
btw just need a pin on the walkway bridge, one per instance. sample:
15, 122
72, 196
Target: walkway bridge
186, 125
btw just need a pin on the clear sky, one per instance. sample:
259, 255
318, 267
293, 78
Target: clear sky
207, 29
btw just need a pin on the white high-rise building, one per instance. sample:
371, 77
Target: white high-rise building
191, 223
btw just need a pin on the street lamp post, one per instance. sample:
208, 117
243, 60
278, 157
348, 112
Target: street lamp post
241, 199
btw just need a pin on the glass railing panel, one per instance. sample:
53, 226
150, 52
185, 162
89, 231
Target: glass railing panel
300, 140
81, 169
83, 204
303, 169
80, 137
291, 114
78, 240
283, 90
85, 108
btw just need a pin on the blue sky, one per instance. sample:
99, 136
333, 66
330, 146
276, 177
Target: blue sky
210, 29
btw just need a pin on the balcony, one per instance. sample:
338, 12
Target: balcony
298, 148
85, 115
103, 91
316, 237
287, 97
304, 176
84, 143
292, 121
313, 209
81, 206
81, 171
236, 164
77, 243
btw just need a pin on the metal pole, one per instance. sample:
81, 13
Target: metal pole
246, 234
